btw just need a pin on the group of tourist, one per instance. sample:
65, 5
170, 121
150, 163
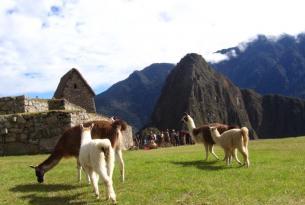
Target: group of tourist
163, 139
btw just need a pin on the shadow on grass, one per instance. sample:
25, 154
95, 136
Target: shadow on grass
200, 164
45, 200
39, 194
42, 187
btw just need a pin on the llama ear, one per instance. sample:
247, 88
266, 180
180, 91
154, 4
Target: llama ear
186, 113
81, 126
92, 125
32, 166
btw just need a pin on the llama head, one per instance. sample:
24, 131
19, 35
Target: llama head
86, 133
86, 129
213, 129
39, 173
188, 120
184, 117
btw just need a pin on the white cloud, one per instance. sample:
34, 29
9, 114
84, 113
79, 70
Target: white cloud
108, 39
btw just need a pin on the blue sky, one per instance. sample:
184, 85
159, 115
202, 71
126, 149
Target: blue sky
40, 40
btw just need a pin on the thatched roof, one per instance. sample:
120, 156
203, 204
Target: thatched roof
64, 79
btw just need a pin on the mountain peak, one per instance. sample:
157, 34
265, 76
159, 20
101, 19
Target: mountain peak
194, 87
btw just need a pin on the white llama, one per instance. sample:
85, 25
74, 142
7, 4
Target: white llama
231, 140
97, 159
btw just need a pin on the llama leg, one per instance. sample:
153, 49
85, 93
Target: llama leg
79, 170
79, 173
88, 178
110, 163
206, 151
119, 157
243, 151
94, 180
234, 153
102, 172
227, 157
247, 152
211, 148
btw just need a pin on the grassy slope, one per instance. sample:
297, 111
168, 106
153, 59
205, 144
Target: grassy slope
170, 176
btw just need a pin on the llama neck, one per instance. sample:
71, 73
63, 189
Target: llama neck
191, 125
215, 136
50, 162
85, 138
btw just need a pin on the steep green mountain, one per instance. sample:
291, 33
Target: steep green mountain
133, 99
268, 65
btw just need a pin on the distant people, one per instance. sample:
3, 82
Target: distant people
167, 136
161, 138
173, 138
182, 137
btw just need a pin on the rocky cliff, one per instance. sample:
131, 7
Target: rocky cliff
194, 87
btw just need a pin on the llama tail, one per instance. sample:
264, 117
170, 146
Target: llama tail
245, 135
105, 147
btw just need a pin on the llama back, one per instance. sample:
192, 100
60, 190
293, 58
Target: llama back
110, 130
206, 134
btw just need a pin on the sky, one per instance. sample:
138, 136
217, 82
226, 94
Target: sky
106, 40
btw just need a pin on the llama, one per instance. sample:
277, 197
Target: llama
96, 156
69, 144
202, 134
231, 140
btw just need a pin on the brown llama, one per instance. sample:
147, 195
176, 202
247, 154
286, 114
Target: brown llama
202, 134
69, 145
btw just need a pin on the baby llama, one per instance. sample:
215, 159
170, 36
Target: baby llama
231, 140
96, 156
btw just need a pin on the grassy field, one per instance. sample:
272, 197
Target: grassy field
175, 175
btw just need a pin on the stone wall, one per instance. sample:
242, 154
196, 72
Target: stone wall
22, 104
76, 92
32, 133
36, 105
9, 105
63, 104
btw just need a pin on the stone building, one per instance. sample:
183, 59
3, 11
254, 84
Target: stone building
32, 126
74, 88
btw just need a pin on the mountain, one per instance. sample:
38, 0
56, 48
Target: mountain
274, 115
133, 99
194, 87
269, 66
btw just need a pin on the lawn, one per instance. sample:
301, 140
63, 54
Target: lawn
176, 175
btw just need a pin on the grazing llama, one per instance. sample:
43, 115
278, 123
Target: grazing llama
69, 144
96, 156
202, 134
231, 140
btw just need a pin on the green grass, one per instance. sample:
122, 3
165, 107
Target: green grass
175, 175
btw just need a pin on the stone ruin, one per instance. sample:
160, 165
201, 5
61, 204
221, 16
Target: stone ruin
32, 126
